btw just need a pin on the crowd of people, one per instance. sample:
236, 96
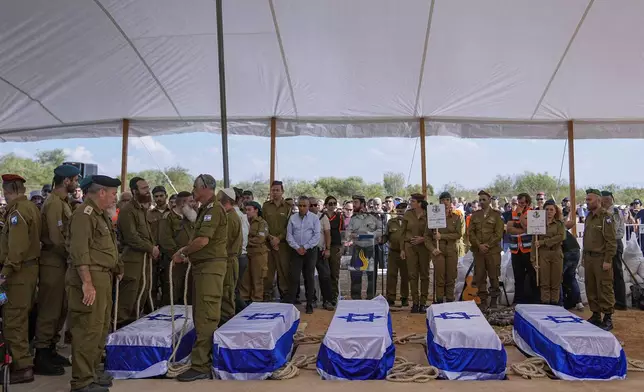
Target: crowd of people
67, 254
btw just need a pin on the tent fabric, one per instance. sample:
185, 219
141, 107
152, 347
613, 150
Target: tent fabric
335, 68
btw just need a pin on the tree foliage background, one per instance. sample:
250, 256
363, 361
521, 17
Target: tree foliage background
39, 171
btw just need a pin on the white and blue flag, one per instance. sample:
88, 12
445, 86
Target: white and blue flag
358, 344
142, 349
462, 345
256, 342
573, 348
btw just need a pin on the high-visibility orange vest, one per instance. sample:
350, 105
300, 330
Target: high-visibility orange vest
521, 242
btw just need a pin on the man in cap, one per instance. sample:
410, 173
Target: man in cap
608, 204
36, 198
160, 207
243, 257
276, 213
94, 262
599, 249
486, 232
139, 249
208, 255
234, 241
19, 253
52, 306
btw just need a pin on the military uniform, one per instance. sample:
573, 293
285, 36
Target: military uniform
278, 260
161, 266
136, 239
233, 247
416, 256
550, 261
395, 264
446, 262
486, 227
175, 232
20, 244
252, 286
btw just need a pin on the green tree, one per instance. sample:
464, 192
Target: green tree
51, 157
532, 183
181, 179
502, 186
36, 173
394, 183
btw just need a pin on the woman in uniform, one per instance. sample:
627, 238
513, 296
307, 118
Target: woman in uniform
413, 250
550, 262
252, 285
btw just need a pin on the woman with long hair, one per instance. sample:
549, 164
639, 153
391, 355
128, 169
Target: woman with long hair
413, 250
550, 262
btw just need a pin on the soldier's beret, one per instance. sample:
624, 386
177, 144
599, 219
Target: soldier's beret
12, 178
254, 204
106, 181
401, 206
445, 195
357, 197
593, 191
607, 193
482, 192
159, 188
85, 182
67, 171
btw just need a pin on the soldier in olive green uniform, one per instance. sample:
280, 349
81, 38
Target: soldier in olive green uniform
413, 250
599, 248
443, 247
233, 247
94, 261
485, 234
160, 198
394, 263
20, 244
252, 283
208, 255
138, 243
550, 261
175, 232
276, 212
52, 304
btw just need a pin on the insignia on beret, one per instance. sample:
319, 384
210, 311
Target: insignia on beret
88, 210
207, 218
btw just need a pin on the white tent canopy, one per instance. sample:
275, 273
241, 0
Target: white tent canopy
333, 68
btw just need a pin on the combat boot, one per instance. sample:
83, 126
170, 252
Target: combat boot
483, 305
607, 323
21, 376
422, 309
493, 302
58, 359
414, 308
595, 319
93, 387
103, 379
44, 365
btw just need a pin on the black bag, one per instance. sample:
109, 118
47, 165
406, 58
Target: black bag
637, 291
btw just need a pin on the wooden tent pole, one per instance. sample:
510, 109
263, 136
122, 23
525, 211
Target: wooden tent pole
273, 137
423, 163
571, 174
125, 128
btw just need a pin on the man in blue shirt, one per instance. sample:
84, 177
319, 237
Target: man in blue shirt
303, 235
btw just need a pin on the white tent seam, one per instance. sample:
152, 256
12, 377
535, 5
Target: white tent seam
283, 54
33, 99
424, 57
563, 56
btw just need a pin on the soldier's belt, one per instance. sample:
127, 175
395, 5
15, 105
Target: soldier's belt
593, 254
98, 268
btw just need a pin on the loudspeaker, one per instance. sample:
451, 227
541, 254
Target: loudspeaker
86, 169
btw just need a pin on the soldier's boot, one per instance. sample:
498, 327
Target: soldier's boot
607, 323
58, 359
414, 308
44, 365
483, 305
422, 309
391, 303
494, 302
595, 319
93, 387
21, 376
404, 302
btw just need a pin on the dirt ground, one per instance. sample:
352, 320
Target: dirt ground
629, 328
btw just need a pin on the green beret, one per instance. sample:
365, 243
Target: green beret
445, 195
66, 171
159, 188
85, 182
254, 204
106, 181
607, 193
593, 191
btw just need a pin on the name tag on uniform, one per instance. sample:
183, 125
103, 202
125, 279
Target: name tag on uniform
60, 223
207, 218
14, 220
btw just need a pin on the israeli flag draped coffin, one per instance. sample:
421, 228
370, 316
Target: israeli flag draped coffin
574, 348
462, 345
358, 344
256, 342
142, 349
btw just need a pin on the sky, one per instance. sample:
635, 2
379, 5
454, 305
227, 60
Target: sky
472, 163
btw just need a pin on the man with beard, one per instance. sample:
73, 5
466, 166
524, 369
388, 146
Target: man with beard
243, 257
608, 204
139, 249
175, 230
276, 213
154, 216
208, 255
52, 307
233, 247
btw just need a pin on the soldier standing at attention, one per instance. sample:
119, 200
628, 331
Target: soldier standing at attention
550, 254
160, 197
276, 213
486, 231
252, 282
394, 263
233, 247
208, 255
138, 243
608, 204
20, 251
445, 256
413, 250
52, 304
94, 260
599, 248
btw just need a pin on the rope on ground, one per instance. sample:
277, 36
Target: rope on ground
405, 371
411, 338
302, 338
176, 368
505, 334
635, 365
293, 367
500, 317
534, 367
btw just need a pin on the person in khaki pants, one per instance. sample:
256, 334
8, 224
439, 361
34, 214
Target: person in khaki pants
252, 282
443, 247
413, 250
394, 262
550, 261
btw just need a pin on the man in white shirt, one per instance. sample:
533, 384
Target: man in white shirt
243, 258
324, 252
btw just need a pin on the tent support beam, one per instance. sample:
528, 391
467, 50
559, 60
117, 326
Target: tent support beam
273, 143
571, 174
423, 163
124, 145
222, 93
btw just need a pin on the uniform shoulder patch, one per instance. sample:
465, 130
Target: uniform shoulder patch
207, 218
88, 210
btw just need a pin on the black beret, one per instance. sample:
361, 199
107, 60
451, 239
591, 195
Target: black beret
106, 181
445, 195
66, 171
46, 187
159, 188
607, 193
254, 204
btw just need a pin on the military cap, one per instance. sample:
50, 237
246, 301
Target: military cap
12, 178
401, 206
482, 192
637, 201
254, 204
445, 195
358, 197
247, 193
495, 198
607, 193
207, 180
565, 199
66, 171
228, 192
85, 182
159, 188
106, 181
593, 191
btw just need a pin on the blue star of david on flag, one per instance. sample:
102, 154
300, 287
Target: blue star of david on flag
164, 317
264, 316
360, 317
564, 319
456, 316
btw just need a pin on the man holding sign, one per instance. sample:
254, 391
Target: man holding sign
445, 229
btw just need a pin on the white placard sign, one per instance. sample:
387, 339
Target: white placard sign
536, 222
436, 216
